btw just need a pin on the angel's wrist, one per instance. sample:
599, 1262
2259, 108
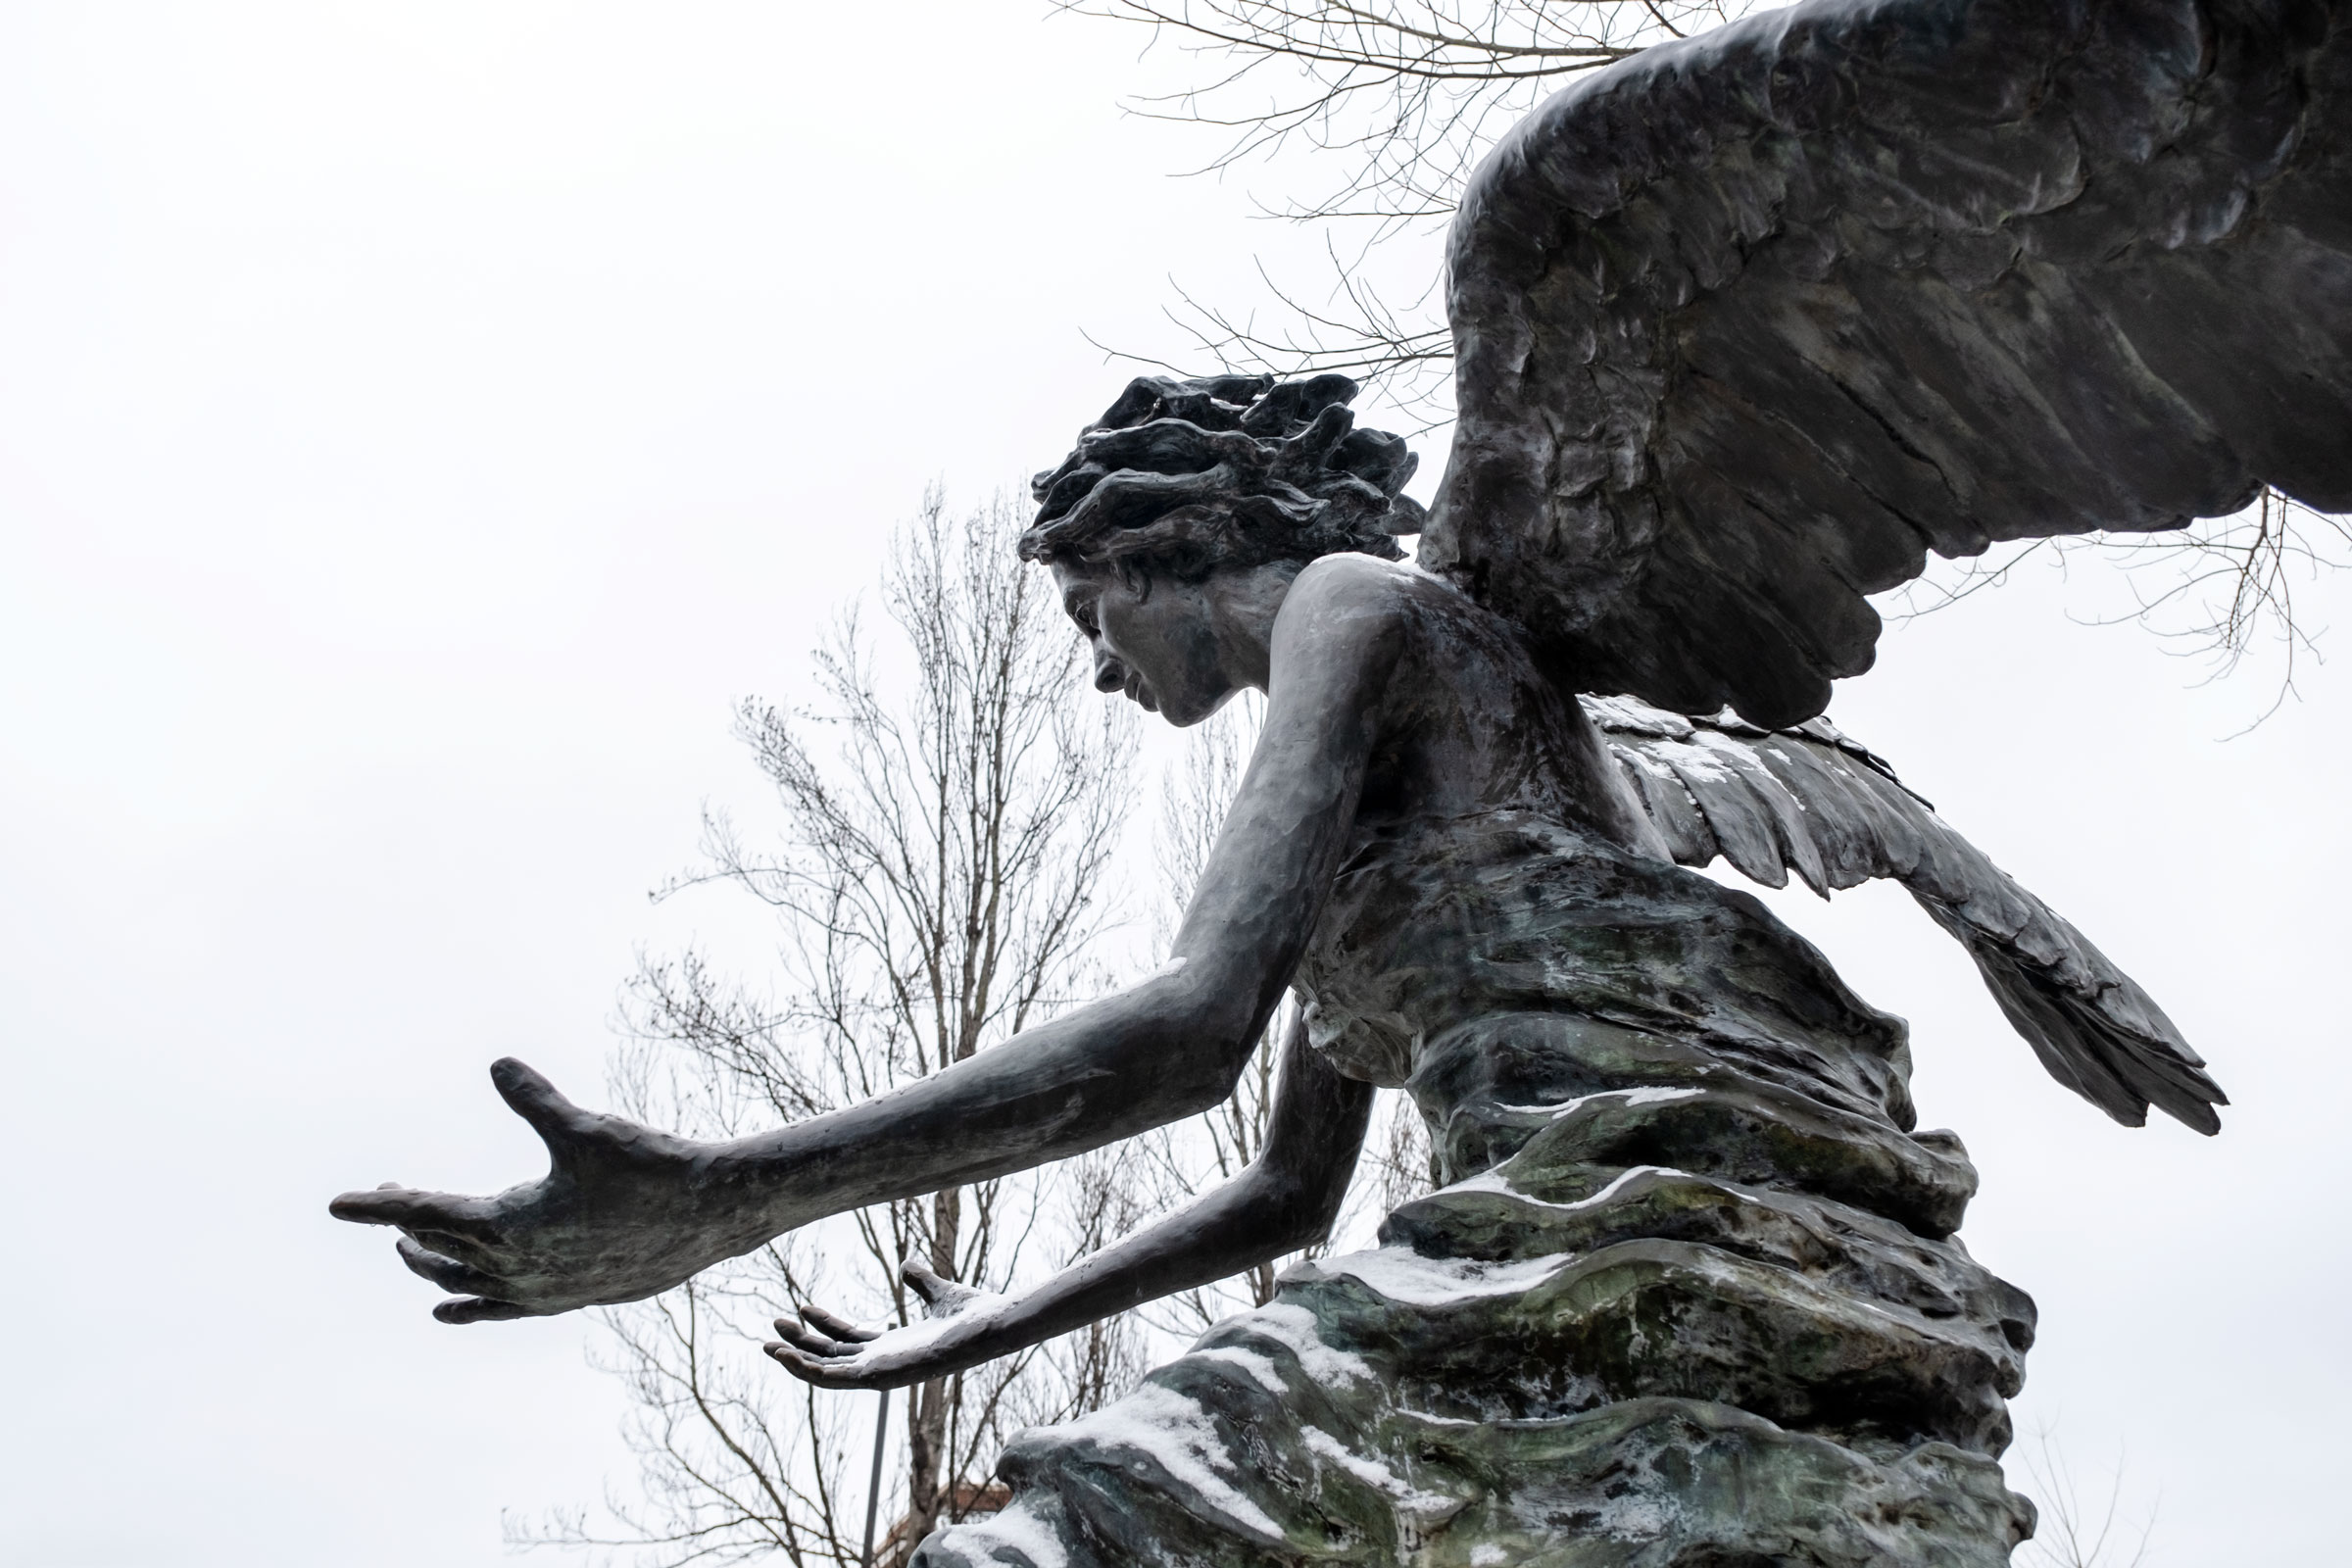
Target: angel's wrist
762, 1183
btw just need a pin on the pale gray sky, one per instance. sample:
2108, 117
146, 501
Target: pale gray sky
418, 423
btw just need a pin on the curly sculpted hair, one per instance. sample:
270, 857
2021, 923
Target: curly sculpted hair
1188, 475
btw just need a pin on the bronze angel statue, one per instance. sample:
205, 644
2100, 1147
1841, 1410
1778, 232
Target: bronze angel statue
1746, 327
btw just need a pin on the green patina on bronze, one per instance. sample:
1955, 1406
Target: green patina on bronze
1691, 1297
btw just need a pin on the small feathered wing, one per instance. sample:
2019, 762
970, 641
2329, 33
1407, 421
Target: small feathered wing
1811, 801
1748, 324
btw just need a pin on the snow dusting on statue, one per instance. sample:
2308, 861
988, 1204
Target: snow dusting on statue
1746, 327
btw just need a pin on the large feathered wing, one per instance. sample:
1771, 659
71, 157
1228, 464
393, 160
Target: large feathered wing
1809, 800
1748, 324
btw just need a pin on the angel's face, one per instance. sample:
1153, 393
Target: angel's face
1177, 649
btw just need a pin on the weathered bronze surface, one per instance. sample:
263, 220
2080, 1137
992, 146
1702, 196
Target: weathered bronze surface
1746, 327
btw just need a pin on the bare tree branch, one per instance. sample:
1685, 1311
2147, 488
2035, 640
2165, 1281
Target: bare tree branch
938, 882
2216, 590
1400, 99
1411, 92
2074, 1531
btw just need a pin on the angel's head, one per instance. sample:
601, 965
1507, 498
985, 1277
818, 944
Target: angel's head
1177, 524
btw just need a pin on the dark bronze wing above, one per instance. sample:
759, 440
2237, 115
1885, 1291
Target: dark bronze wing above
1811, 801
1747, 325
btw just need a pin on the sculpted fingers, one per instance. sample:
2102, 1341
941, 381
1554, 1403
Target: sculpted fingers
478, 1309
809, 1340
529, 1094
835, 1325
581, 1142
448, 1213
453, 1244
941, 1297
446, 1272
829, 1351
384, 1204
934, 1288
792, 1358
823, 1372
477, 1298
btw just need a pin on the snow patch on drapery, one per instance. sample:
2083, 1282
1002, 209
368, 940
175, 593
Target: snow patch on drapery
1405, 1277
1293, 1327
1166, 1426
1379, 1476
1494, 1181
1016, 1528
1631, 1097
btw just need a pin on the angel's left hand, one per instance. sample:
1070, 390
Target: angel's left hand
956, 1331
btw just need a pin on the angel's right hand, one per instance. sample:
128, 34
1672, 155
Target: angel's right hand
615, 1219
960, 1327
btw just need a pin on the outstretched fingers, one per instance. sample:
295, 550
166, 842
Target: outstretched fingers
445, 1271
477, 1294
819, 1370
827, 1350
837, 1326
417, 1211
814, 1358
480, 1309
821, 1333
935, 1288
529, 1094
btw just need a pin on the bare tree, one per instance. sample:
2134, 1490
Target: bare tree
938, 881
2215, 591
1403, 97
2075, 1530
1409, 92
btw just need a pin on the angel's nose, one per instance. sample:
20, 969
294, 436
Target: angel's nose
1109, 674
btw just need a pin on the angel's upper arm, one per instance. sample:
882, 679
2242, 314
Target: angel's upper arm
1335, 643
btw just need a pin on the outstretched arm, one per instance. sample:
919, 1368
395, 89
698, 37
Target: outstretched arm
1287, 1198
625, 1211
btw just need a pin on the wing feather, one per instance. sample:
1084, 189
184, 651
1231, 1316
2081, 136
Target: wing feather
1785, 811
1901, 836
1811, 800
1840, 829
1748, 324
1670, 805
1742, 827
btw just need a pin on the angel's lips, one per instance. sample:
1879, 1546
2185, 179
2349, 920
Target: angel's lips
1139, 694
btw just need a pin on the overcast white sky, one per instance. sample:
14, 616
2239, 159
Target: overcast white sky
419, 423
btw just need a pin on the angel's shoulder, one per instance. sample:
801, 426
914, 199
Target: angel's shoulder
1349, 575
1394, 607
1357, 584
1350, 618
1340, 595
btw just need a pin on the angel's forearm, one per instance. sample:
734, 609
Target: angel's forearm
1142, 1058
1285, 1200
1114, 1068
1244, 1223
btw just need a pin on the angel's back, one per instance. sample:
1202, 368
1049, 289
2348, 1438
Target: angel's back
1501, 884
1467, 720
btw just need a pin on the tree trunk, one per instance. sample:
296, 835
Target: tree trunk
928, 1445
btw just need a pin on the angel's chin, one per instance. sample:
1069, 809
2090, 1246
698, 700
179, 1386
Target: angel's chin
1185, 715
